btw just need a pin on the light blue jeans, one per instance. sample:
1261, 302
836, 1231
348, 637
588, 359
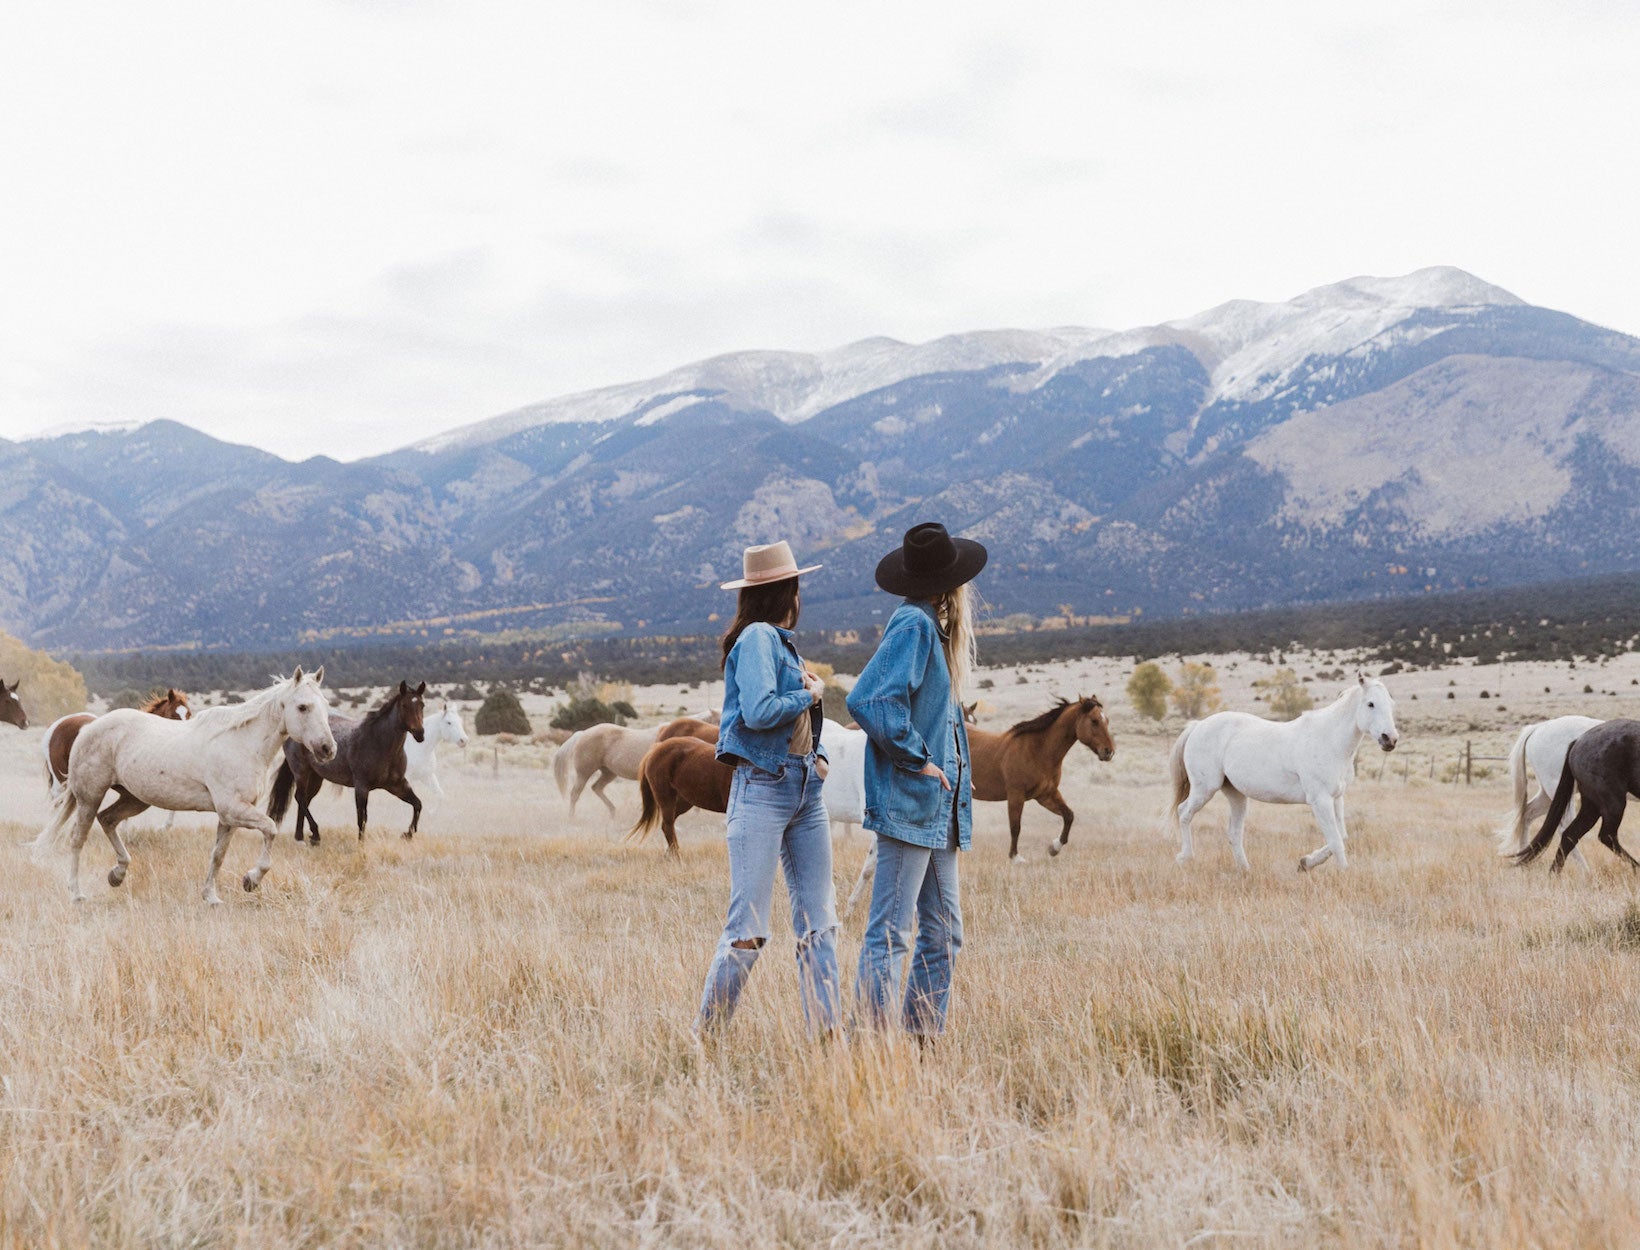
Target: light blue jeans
914, 884
777, 818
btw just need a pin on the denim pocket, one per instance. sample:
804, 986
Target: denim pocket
762, 776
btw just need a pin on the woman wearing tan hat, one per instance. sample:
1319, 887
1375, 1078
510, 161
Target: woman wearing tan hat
909, 702
770, 732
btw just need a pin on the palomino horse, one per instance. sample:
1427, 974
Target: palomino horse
1308, 760
216, 761
1026, 762
421, 758
59, 739
1543, 746
11, 709
600, 755
1603, 766
678, 774
369, 756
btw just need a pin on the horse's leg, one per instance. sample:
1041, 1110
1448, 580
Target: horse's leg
1338, 815
866, 869
247, 816
1587, 814
224, 832
1197, 799
670, 810
316, 783
1322, 806
1608, 833
109, 818
1056, 804
401, 790
1236, 825
581, 780
361, 805
1016, 812
307, 789
84, 814
605, 776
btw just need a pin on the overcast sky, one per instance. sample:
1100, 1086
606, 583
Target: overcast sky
339, 227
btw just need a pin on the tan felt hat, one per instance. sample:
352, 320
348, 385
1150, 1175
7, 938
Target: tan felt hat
772, 562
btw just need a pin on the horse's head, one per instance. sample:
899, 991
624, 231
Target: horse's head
413, 708
1092, 729
448, 727
970, 713
307, 713
713, 717
172, 705
11, 711
1375, 715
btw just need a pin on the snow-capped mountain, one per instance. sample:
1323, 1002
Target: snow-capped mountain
1375, 436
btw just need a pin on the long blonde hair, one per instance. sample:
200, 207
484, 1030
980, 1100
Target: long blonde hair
955, 612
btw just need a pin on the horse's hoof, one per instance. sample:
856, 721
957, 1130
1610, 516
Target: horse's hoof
212, 899
250, 883
116, 874
1303, 864
1183, 857
76, 898
1054, 848
408, 834
1016, 858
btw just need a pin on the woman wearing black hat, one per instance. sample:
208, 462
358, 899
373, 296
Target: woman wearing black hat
909, 702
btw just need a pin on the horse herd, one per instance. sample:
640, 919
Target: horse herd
165, 755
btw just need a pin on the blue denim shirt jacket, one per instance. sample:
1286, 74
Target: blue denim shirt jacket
763, 696
904, 703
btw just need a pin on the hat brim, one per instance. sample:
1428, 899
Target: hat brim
893, 576
743, 582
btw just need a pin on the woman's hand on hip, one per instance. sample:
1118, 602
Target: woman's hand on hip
931, 769
821, 768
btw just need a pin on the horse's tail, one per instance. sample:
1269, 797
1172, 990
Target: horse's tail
284, 781
560, 764
1557, 813
1181, 782
1512, 833
54, 836
650, 816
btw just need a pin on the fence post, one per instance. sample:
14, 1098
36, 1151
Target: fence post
1468, 762
495, 761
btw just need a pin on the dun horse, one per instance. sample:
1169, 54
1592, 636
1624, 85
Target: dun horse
678, 774
369, 756
61, 736
1025, 763
1603, 766
600, 755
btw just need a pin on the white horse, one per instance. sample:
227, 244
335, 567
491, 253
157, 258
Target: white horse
217, 761
1308, 760
421, 758
1543, 746
844, 790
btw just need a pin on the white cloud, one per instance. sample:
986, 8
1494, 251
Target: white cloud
340, 227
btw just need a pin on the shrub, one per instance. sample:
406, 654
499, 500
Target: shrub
1288, 699
1196, 694
585, 711
1148, 690
501, 713
126, 698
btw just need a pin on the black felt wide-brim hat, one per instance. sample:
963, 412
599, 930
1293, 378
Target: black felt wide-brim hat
930, 562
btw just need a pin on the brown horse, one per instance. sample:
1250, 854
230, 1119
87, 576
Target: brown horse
678, 774
1025, 762
369, 756
60, 737
687, 727
11, 710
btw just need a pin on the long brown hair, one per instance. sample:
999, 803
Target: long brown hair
774, 603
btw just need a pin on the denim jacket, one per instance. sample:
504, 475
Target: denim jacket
903, 701
763, 696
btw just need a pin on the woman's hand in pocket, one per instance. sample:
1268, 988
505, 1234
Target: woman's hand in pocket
931, 769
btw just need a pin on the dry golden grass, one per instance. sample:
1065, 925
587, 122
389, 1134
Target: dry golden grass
481, 1038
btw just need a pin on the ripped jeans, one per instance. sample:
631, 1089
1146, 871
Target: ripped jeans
777, 818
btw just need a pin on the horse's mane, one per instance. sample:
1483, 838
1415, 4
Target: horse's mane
1045, 722
158, 701
233, 715
375, 714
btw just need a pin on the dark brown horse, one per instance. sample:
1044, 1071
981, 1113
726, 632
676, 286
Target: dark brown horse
687, 727
369, 756
11, 710
1603, 766
676, 775
1025, 762
60, 737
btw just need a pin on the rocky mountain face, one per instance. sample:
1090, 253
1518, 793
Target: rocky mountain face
1375, 437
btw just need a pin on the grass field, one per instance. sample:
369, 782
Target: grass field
481, 1038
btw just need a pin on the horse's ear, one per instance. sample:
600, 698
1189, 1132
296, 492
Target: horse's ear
296, 676
1360, 677
14, 685
421, 689
319, 675
404, 687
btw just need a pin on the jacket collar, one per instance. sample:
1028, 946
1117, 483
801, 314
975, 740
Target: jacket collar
923, 606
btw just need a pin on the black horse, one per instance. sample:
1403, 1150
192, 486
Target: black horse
369, 756
1603, 765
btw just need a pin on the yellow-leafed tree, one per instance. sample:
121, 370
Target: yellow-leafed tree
50, 687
